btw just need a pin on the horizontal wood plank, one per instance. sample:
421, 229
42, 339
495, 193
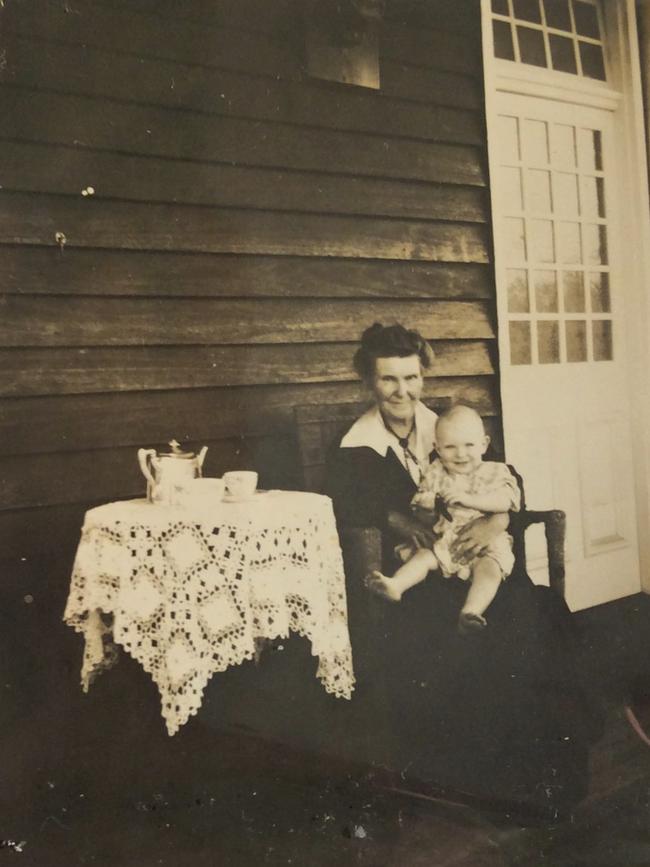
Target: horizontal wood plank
192, 39
87, 222
36, 116
73, 371
45, 65
125, 30
63, 424
33, 270
119, 321
104, 475
52, 169
403, 81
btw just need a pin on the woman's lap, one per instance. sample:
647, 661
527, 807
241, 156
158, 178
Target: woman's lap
500, 710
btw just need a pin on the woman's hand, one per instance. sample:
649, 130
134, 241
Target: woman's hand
475, 537
415, 529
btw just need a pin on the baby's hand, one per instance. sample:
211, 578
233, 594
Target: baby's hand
455, 499
423, 500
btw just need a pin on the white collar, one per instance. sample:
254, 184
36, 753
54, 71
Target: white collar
370, 431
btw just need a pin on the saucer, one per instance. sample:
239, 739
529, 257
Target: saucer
229, 498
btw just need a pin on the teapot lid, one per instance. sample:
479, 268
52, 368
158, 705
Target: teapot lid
177, 451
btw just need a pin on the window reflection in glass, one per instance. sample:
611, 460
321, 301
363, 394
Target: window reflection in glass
595, 243
517, 285
545, 283
576, 340
574, 292
599, 291
514, 240
568, 243
541, 241
520, 343
538, 191
509, 138
536, 142
602, 339
511, 191
548, 341
565, 193
590, 150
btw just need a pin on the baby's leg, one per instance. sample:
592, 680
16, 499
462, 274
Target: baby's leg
413, 572
486, 579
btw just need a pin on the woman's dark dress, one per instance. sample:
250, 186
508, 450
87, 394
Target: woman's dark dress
499, 713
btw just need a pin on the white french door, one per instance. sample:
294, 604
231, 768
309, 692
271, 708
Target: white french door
561, 299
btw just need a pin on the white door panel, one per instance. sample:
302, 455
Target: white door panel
561, 314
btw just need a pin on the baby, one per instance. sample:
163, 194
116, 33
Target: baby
461, 487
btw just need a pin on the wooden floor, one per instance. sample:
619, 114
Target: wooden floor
267, 807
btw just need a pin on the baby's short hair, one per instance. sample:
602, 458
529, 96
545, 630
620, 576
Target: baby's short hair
461, 411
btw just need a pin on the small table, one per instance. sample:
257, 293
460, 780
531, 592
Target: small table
189, 591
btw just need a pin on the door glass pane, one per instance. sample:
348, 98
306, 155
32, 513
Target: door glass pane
541, 240
509, 138
500, 7
527, 10
592, 197
574, 292
565, 194
599, 288
520, 344
535, 142
514, 240
576, 340
590, 150
591, 57
531, 46
568, 243
511, 190
595, 240
563, 151
545, 283
503, 46
557, 14
517, 285
563, 55
602, 338
548, 341
538, 191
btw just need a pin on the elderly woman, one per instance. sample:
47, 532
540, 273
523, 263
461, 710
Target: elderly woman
498, 713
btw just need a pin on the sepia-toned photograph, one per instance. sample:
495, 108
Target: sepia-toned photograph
325, 433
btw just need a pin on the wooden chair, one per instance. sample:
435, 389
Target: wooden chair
318, 428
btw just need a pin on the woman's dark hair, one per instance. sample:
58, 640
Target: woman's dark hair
389, 341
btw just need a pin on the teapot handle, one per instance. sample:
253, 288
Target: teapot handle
200, 458
144, 456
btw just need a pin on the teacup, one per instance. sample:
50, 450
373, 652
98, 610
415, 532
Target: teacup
203, 492
240, 484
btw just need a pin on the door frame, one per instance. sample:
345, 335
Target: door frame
623, 96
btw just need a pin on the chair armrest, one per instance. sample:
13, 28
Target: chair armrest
362, 552
554, 522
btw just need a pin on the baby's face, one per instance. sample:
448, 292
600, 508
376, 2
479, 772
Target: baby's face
461, 443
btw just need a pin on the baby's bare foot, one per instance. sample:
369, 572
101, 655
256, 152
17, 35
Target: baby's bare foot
383, 586
469, 622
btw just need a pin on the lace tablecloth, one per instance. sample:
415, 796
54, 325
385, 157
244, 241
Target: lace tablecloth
188, 591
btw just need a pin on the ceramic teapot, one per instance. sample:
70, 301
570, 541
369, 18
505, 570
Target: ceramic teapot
168, 473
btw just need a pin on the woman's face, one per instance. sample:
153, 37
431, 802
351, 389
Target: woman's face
397, 386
